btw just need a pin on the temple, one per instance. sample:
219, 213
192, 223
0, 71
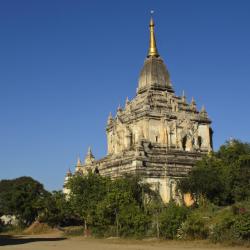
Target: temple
157, 134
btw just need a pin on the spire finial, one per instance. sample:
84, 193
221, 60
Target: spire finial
78, 163
89, 151
152, 43
69, 173
127, 101
193, 101
183, 97
203, 111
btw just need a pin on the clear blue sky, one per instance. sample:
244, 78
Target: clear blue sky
64, 65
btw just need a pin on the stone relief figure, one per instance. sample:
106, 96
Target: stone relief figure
188, 137
128, 138
171, 128
140, 133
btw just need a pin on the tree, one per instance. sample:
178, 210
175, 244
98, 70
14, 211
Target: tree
57, 211
241, 179
223, 177
123, 206
204, 181
20, 197
85, 194
232, 150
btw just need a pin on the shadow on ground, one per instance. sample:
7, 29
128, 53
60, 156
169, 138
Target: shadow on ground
16, 240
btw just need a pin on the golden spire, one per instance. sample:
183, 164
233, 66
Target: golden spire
152, 43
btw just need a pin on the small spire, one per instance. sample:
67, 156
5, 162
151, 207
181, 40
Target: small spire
152, 43
89, 159
193, 101
193, 104
203, 111
110, 118
89, 151
69, 173
79, 163
119, 108
183, 97
127, 101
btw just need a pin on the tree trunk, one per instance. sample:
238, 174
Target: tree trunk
157, 226
117, 224
86, 232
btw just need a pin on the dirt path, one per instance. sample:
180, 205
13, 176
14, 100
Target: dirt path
57, 242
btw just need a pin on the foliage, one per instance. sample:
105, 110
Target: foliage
133, 221
57, 211
20, 197
86, 192
171, 219
121, 209
109, 207
232, 224
204, 180
232, 150
241, 179
223, 177
195, 227
128, 207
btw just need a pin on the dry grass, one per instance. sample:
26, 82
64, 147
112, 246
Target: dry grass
39, 228
55, 241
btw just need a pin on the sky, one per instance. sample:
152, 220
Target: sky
64, 65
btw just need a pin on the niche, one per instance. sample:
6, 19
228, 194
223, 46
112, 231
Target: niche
199, 141
184, 142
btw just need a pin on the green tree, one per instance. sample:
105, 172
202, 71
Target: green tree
122, 209
20, 197
204, 181
85, 194
240, 187
232, 150
56, 210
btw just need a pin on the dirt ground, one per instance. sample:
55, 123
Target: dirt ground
58, 242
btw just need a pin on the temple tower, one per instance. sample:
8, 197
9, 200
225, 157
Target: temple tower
157, 134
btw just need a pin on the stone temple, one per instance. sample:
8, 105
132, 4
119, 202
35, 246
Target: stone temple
157, 135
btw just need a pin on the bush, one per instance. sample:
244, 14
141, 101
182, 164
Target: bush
195, 227
133, 221
170, 220
241, 226
231, 225
222, 231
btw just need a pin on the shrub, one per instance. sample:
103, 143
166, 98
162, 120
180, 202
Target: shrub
241, 226
195, 227
170, 220
222, 231
133, 221
232, 227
